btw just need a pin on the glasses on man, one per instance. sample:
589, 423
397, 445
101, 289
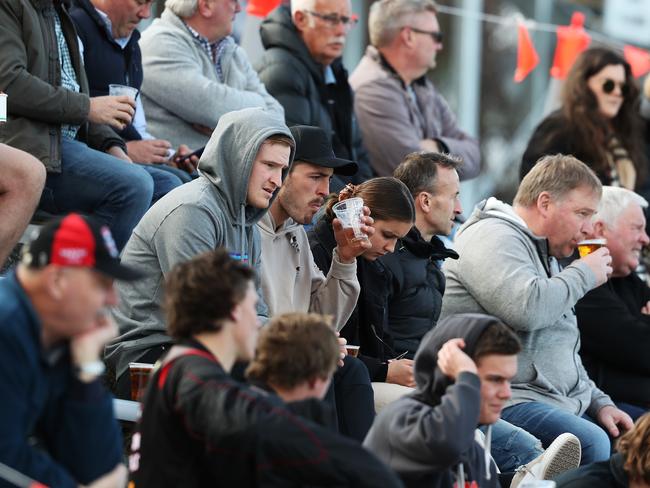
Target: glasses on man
609, 85
435, 35
335, 19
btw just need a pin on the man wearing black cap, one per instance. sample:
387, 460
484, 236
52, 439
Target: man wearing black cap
291, 281
53, 327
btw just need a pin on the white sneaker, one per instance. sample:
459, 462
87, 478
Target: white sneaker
563, 454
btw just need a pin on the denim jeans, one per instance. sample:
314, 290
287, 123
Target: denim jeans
512, 446
547, 422
164, 179
94, 183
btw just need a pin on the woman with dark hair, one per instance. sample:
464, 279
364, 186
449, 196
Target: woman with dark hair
391, 207
598, 123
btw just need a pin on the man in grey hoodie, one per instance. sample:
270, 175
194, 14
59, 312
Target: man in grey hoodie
508, 268
243, 165
463, 369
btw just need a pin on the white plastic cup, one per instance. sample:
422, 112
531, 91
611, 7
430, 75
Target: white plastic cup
118, 90
3, 107
349, 213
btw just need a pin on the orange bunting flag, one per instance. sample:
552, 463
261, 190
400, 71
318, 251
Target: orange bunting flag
571, 41
527, 57
261, 8
638, 59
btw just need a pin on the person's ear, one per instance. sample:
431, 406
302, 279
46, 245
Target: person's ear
204, 8
55, 281
423, 201
599, 229
544, 203
300, 20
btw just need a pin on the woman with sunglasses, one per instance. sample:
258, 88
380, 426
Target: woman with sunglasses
598, 122
391, 206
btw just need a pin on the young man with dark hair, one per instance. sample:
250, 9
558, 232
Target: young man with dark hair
200, 427
463, 370
296, 356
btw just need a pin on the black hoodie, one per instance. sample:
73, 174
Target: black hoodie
427, 435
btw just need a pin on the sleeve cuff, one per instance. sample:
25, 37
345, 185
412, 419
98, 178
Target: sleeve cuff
340, 270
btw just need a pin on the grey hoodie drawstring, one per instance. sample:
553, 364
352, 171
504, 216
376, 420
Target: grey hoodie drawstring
460, 476
242, 231
487, 449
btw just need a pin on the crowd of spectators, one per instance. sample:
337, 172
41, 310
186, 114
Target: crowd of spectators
195, 229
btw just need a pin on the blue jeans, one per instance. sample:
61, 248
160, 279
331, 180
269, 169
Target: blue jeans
547, 422
512, 446
95, 183
164, 179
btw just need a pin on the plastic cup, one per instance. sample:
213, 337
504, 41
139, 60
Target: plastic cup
538, 484
139, 374
349, 213
3, 107
352, 350
118, 90
590, 245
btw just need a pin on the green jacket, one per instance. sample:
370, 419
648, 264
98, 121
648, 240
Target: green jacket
30, 74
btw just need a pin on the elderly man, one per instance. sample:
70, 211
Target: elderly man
56, 417
52, 117
508, 268
194, 72
107, 29
614, 319
302, 68
399, 109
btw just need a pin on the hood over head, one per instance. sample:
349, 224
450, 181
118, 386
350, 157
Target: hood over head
431, 381
228, 158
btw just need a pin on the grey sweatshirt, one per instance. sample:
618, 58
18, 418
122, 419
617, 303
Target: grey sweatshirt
426, 435
199, 216
506, 271
291, 281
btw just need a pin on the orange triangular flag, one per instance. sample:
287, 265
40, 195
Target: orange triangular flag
527, 57
261, 8
638, 59
571, 41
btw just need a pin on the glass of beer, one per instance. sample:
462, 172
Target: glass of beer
352, 350
349, 213
139, 374
590, 245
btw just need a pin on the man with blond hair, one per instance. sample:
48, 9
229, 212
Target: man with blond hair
508, 267
614, 319
399, 109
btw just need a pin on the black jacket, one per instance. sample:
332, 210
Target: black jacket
105, 61
615, 338
201, 428
416, 287
367, 326
292, 76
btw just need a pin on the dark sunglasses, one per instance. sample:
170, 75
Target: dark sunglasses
609, 85
435, 35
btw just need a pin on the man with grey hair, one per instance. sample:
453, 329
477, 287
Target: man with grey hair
302, 68
194, 72
614, 319
508, 267
399, 109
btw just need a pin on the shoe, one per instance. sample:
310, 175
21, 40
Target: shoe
563, 454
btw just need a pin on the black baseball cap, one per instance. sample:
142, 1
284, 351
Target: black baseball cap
77, 241
313, 146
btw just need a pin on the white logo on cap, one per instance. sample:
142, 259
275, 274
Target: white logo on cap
73, 255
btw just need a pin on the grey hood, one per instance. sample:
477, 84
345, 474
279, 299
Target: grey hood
227, 161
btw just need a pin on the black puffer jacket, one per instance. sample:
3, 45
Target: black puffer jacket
416, 287
367, 326
292, 76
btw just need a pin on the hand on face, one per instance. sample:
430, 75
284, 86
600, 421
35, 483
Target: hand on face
88, 346
349, 251
452, 360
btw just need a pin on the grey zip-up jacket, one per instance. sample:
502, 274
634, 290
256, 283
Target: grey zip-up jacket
506, 271
291, 281
181, 86
199, 216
